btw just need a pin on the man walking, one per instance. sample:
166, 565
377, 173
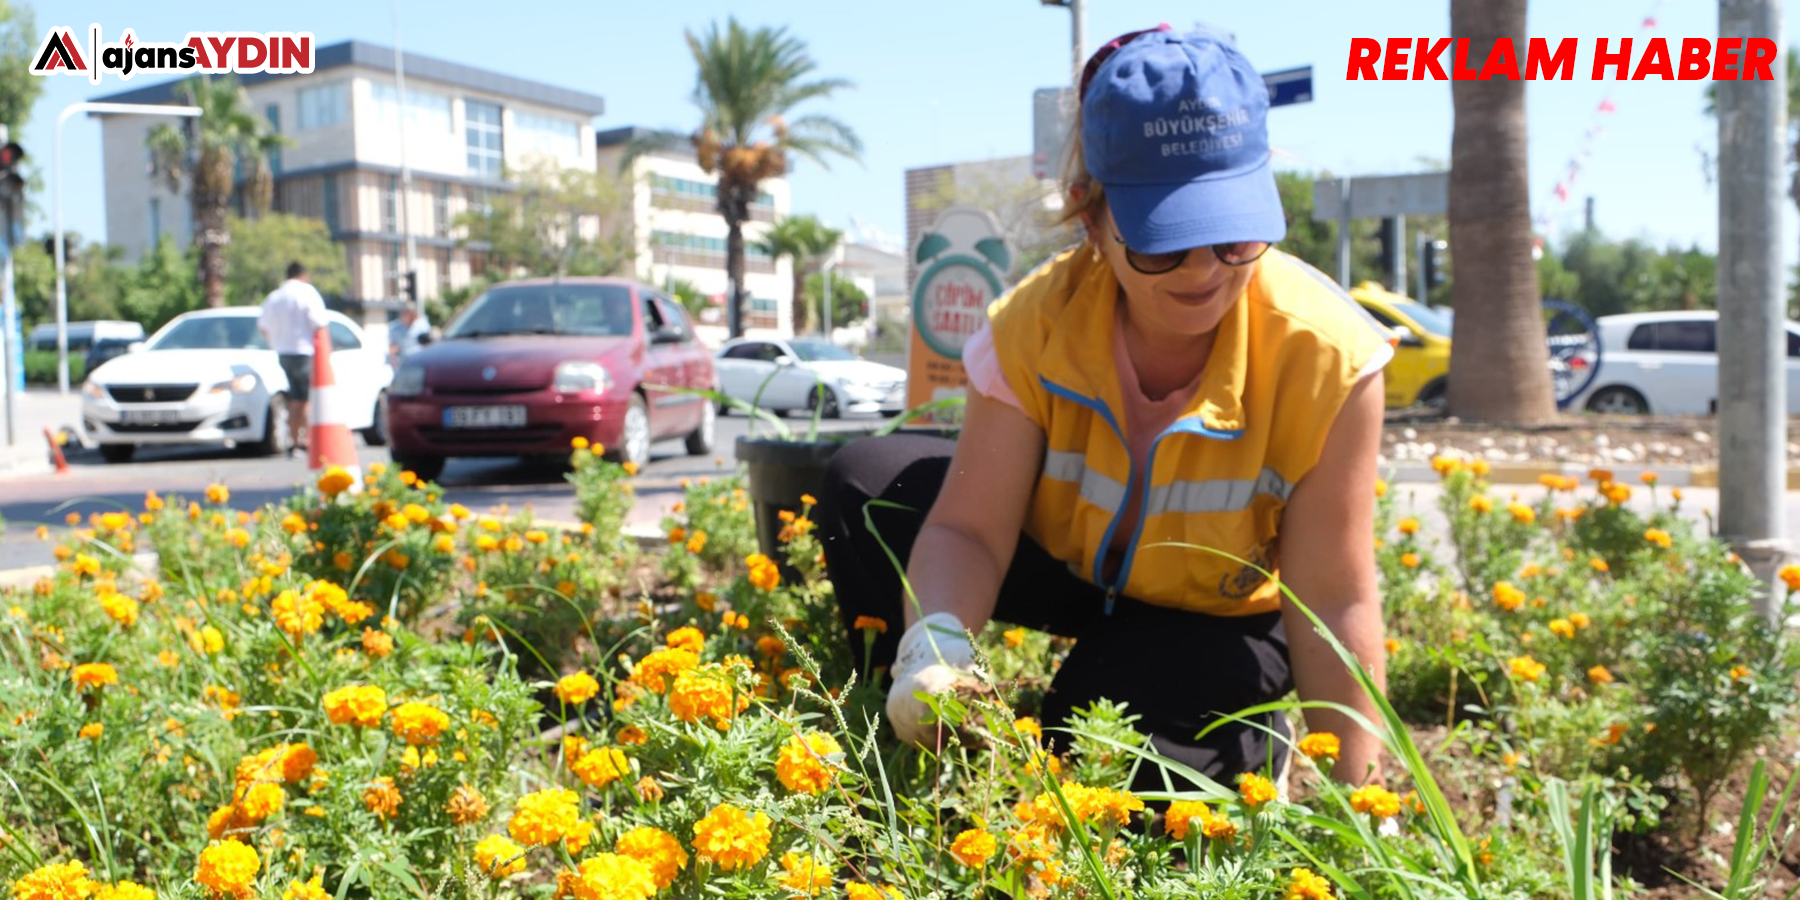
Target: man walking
290, 316
412, 326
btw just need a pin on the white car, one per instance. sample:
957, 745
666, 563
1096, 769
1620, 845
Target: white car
208, 377
793, 367
1668, 363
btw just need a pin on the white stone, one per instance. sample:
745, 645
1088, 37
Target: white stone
1487, 442
1623, 454
1676, 452
1702, 437
1601, 440
1411, 434
1427, 449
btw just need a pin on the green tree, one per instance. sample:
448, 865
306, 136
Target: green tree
19, 89
550, 224
163, 287
804, 240
848, 302
1497, 373
207, 153
257, 258
1024, 208
749, 84
689, 295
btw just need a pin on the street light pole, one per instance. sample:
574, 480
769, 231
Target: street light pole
1077, 28
62, 291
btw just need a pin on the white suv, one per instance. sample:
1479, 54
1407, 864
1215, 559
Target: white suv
1668, 363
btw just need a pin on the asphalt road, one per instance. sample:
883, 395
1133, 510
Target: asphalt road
93, 485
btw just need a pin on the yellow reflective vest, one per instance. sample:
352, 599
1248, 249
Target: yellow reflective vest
1282, 364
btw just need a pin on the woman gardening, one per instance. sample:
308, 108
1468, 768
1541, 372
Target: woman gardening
1170, 380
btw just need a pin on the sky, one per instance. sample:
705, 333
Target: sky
942, 81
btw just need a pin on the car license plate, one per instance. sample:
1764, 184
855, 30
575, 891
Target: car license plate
484, 417
150, 416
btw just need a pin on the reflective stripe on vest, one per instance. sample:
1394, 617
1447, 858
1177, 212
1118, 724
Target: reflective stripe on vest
1101, 490
1217, 495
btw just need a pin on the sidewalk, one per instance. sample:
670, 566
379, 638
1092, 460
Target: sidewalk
39, 408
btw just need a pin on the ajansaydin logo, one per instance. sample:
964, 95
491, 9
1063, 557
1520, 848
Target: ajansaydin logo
199, 52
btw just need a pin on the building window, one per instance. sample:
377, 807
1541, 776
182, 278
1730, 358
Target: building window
427, 112
155, 221
272, 112
546, 135
331, 204
687, 187
694, 243
390, 205
440, 210
483, 135
326, 104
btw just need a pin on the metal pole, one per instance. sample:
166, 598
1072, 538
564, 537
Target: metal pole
62, 290
1398, 263
1077, 25
412, 246
825, 280
1752, 386
1343, 224
11, 343
1419, 252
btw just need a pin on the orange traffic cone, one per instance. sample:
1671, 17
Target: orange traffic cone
56, 454
330, 443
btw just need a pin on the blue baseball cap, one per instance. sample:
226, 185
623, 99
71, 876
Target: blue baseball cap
1174, 128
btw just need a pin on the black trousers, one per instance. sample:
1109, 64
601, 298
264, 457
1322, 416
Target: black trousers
1176, 669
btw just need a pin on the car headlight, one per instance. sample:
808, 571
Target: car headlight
576, 376
410, 380
93, 390
243, 384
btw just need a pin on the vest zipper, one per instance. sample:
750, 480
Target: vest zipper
1112, 589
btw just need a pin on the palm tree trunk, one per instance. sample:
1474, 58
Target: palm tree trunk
1498, 372
799, 294
734, 205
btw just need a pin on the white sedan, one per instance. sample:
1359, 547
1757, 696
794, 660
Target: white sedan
789, 372
1668, 363
208, 377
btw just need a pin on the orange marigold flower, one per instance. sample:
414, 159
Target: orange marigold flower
706, 692
655, 848
870, 623
498, 857
1376, 801
601, 767
648, 790
763, 572
609, 876
419, 723
973, 848
217, 494
1181, 815
1562, 628
1304, 885
731, 838
1508, 597
805, 763
1525, 668
377, 643
1318, 744
93, 675
91, 730
805, 876
382, 797
1740, 672
1255, 790
658, 668
1409, 525
360, 705
576, 688
1599, 565
227, 867
688, 638
335, 480
298, 614
1658, 536
1409, 560
631, 734
466, 806
544, 817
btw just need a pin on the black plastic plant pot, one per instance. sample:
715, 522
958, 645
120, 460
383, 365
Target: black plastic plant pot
780, 471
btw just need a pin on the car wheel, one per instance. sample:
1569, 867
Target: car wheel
427, 467
700, 440
634, 436
277, 436
376, 434
1433, 395
117, 453
823, 393
1620, 400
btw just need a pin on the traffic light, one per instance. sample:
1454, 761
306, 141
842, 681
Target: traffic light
409, 285
1434, 271
12, 185
1386, 236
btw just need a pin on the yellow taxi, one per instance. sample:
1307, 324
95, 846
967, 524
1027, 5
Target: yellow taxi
1422, 354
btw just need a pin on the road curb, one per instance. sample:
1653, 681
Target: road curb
1512, 473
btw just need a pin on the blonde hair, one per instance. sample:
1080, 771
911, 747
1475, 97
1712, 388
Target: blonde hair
1082, 193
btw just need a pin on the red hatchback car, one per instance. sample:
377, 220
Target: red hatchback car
530, 365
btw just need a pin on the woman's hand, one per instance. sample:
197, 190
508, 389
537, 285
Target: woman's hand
934, 655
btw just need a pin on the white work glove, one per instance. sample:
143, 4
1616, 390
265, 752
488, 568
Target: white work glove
934, 654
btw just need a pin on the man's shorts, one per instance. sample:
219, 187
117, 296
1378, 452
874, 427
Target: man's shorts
298, 367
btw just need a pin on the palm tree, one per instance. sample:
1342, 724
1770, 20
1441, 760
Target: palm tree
208, 153
748, 83
1498, 372
803, 239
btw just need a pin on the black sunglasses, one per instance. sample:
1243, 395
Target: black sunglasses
1235, 253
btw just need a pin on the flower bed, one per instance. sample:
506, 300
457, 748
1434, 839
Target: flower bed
367, 692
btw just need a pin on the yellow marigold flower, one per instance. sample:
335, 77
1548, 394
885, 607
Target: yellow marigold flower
655, 848
256, 802
599, 768
1304, 885
91, 730
1599, 565
1579, 620
1522, 514
1376, 801
696, 542
307, 890
1508, 597
1319, 743
763, 572
466, 806
706, 692
871, 623
857, 890
335, 480
1409, 560
1029, 726
730, 838
1658, 536
93, 675
578, 443
544, 817
58, 881
1740, 672
648, 790
658, 668
1614, 734
688, 638
1600, 675
360, 705
1617, 493
576, 688
1181, 815
227, 867
631, 734
1255, 790
973, 848
130, 890
168, 658
1218, 828
298, 614
805, 875
770, 646
382, 797
1562, 628
498, 857
1525, 668
217, 494
119, 608
706, 601
1601, 476
1381, 488
377, 643
419, 723
610, 876
1409, 525
1481, 503
805, 763
1790, 576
